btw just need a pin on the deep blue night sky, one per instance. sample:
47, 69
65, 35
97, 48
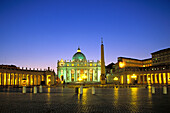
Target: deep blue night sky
37, 33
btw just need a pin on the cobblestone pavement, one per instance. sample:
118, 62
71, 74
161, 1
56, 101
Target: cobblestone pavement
66, 101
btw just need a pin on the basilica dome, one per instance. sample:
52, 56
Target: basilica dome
79, 56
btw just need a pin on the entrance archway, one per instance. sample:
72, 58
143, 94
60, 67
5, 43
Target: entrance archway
61, 77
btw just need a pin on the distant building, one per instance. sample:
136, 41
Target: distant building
13, 76
79, 69
110, 69
155, 70
161, 57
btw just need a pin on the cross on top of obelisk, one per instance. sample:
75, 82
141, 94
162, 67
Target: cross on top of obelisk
102, 40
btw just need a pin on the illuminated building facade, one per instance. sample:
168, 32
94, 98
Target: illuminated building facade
10, 75
129, 62
155, 70
79, 69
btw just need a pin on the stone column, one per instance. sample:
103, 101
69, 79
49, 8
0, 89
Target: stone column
75, 75
97, 73
93, 74
139, 79
13, 79
2, 79
69, 74
33, 79
78, 74
88, 78
66, 75
147, 76
5, 76
143, 78
39, 79
151, 78
125, 79
29, 79
75, 72
156, 80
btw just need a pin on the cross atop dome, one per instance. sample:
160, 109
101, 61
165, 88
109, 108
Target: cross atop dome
78, 50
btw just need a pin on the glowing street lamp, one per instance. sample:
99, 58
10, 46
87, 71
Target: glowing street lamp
115, 78
84, 77
134, 76
80, 79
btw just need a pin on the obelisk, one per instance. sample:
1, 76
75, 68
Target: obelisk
103, 73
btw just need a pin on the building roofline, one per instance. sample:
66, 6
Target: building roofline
136, 59
167, 49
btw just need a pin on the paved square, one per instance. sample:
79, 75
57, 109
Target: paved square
66, 101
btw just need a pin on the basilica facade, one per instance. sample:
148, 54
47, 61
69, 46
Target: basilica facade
79, 69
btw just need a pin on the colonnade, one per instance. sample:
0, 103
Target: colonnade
154, 78
149, 78
15, 79
72, 75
